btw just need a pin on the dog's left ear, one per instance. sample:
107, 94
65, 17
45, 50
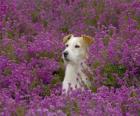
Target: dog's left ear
66, 38
89, 40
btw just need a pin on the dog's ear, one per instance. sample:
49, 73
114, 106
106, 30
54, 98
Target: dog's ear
89, 40
66, 38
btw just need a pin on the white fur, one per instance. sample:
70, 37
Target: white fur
74, 75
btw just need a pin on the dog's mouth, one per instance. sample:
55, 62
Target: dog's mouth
66, 59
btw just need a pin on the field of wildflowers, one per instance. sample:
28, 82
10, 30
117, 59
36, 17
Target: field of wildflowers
32, 70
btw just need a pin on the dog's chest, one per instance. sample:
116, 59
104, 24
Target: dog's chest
74, 77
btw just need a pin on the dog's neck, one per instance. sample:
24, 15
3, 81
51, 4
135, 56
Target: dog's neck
72, 70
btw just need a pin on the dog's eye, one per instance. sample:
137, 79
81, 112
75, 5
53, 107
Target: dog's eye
67, 45
77, 46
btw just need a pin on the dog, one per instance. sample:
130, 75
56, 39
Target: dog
74, 56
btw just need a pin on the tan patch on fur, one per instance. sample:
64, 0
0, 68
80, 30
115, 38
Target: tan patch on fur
88, 40
66, 38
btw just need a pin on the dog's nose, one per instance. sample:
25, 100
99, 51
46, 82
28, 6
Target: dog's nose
65, 54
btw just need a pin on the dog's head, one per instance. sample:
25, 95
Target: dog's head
76, 48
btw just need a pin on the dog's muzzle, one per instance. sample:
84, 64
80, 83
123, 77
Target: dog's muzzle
65, 54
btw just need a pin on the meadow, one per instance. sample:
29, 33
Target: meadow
32, 69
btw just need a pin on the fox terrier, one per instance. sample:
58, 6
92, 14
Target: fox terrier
74, 56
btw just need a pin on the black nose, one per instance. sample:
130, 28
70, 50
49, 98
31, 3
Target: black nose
65, 54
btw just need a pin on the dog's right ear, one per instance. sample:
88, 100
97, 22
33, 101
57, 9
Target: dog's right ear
66, 38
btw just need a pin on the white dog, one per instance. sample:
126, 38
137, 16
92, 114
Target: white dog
74, 56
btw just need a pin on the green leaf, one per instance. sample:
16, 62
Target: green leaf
96, 64
45, 23
20, 111
111, 81
7, 72
65, 29
10, 34
34, 16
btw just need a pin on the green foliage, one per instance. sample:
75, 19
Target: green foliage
58, 77
20, 111
111, 81
71, 106
133, 94
92, 22
106, 40
99, 6
112, 68
34, 84
47, 90
0, 35
45, 54
65, 29
109, 71
96, 64
45, 23
34, 16
9, 51
10, 34
7, 72
94, 89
